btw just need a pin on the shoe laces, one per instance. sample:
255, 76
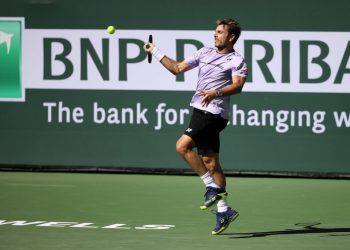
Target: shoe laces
218, 219
210, 191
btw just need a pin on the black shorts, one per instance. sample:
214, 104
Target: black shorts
204, 129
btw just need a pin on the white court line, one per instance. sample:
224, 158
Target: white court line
40, 185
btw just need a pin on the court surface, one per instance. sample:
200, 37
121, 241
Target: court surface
119, 211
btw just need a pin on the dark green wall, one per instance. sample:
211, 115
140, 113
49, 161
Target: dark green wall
26, 138
298, 15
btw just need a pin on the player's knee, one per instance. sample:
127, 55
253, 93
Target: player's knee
184, 145
181, 148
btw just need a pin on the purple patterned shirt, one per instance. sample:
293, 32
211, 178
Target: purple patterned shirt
215, 72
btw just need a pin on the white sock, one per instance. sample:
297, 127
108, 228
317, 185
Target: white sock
209, 181
222, 205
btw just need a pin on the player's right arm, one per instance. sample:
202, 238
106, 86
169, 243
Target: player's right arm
173, 66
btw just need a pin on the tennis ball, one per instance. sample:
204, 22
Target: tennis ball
111, 29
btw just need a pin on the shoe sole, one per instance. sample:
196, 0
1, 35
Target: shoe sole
215, 199
226, 226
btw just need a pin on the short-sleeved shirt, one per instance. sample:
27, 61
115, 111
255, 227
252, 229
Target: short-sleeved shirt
215, 72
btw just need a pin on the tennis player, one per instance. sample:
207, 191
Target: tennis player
222, 73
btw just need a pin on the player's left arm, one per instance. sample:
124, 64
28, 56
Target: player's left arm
234, 88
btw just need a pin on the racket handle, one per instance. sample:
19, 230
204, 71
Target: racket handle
150, 40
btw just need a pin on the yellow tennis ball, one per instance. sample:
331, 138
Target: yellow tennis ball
111, 29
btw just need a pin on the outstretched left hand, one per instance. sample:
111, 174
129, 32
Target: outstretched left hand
208, 96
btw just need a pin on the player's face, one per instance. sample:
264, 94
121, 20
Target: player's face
222, 38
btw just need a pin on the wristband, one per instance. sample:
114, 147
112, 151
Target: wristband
157, 53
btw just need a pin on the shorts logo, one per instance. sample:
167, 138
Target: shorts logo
10, 59
188, 130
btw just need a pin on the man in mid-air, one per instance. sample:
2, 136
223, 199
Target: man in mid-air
222, 73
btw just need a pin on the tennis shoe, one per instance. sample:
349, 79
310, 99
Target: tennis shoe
223, 220
212, 195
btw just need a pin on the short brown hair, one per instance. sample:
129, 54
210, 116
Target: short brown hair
233, 27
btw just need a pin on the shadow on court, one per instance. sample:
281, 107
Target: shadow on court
308, 228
